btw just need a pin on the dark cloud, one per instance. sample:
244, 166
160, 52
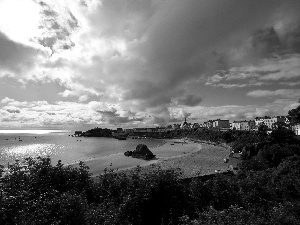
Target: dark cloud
267, 41
150, 94
163, 120
14, 56
190, 100
114, 118
291, 39
177, 42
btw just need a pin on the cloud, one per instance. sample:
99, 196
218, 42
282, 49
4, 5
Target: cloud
140, 56
190, 100
58, 23
16, 57
114, 118
7, 100
283, 93
282, 68
279, 107
11, 109
164, 51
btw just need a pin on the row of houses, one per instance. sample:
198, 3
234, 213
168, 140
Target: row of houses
218, 124
245, 124
248, 125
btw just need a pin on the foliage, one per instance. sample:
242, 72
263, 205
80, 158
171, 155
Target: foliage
294, 115
46, 194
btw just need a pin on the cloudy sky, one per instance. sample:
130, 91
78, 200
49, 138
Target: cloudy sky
67, 64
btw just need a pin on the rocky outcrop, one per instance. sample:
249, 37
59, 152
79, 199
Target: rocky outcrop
141, 152
128, 153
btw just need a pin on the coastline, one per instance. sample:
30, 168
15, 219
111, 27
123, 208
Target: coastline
192, 158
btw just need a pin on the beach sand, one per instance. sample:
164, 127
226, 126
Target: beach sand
193, 159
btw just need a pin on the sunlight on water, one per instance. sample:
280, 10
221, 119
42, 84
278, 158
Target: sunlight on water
31, 131
33, 150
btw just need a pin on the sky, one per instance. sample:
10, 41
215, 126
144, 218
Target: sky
79, 64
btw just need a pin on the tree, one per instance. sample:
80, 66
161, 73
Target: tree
281, 134
294, 115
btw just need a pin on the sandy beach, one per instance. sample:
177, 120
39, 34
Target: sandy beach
192, 158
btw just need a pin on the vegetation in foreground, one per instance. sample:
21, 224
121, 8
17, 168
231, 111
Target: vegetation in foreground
265, 191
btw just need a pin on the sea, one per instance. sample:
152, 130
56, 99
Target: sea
60, 145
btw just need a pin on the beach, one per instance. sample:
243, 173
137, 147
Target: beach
193, 158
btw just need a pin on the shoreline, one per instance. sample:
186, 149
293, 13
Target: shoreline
107, 157
192, 158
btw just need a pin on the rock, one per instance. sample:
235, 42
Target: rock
128, 153
142, 152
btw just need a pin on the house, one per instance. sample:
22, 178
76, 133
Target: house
176, 126
247, 125
275, 119
221, 124
208, 124
296, 129
129, 131
260, 120
243, 125
236, 125
195, 126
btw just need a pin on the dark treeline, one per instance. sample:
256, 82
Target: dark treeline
266, 190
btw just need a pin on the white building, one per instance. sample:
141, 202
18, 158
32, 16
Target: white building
260, 120
296, 129
243, 125
275, 119
236, 125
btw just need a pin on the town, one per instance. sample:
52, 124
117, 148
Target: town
176, 130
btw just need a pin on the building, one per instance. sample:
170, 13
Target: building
176, 126
221, 124
236, 125
208, 124
296, 129
195, 126
247, 125
129, 131
275, 119
243, 125
260, 120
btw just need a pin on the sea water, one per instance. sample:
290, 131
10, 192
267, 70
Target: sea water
60, 145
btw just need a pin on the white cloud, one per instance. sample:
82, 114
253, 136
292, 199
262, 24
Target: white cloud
19, 19
7, 100
11, 109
